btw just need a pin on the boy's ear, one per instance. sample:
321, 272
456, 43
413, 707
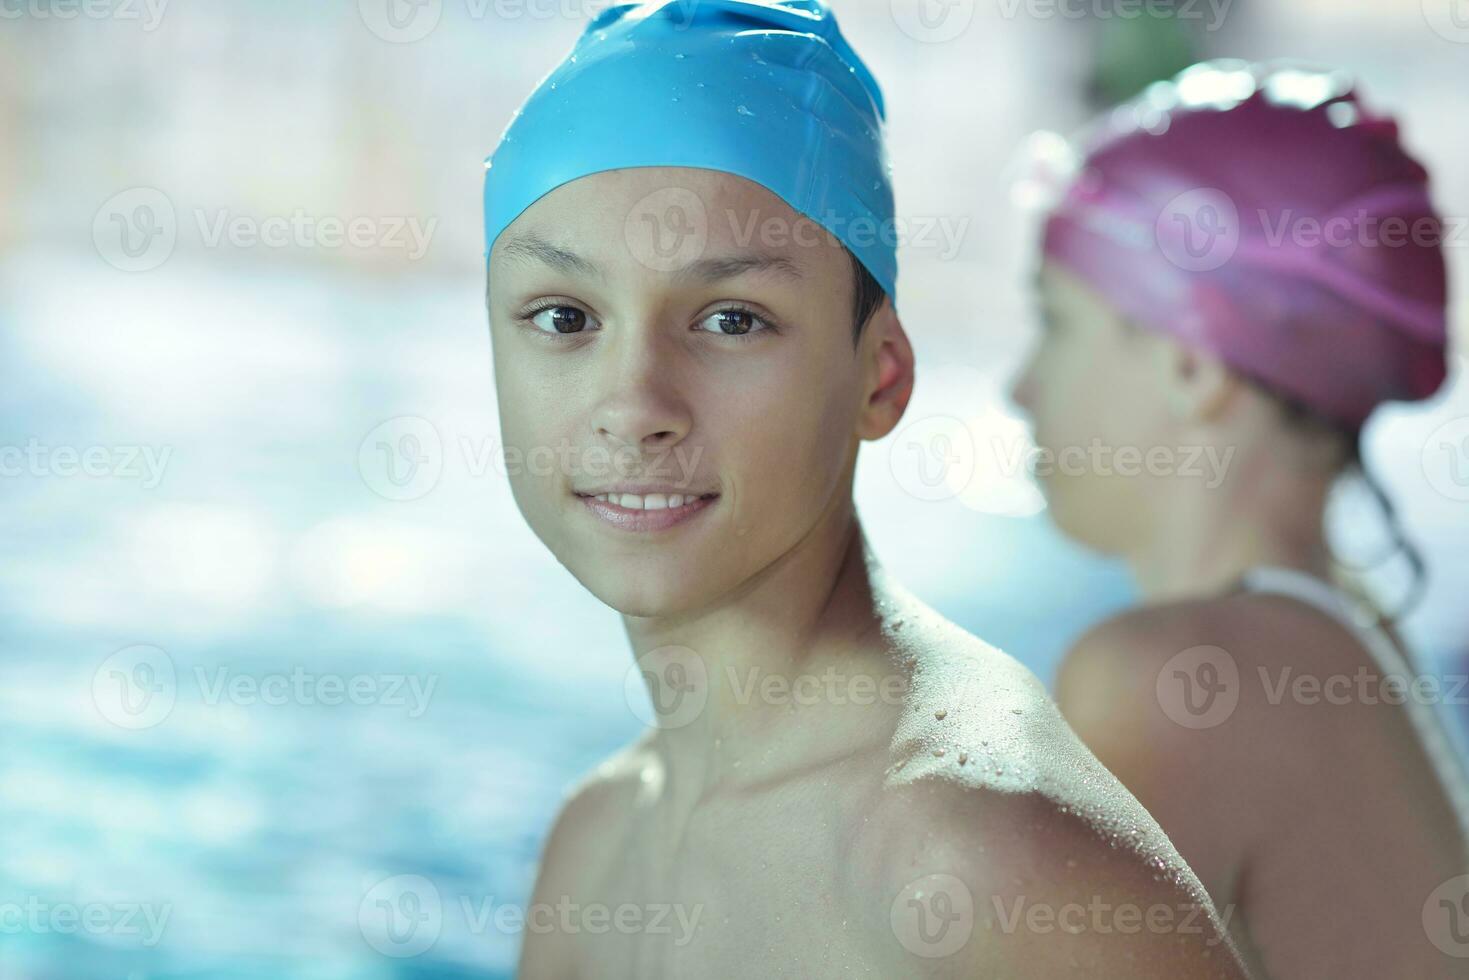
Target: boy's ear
887, 366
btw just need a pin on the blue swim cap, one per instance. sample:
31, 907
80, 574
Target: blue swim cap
768, 90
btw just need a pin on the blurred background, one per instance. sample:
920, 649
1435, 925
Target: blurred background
277, 652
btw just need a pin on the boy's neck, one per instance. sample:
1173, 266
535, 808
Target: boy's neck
783, 661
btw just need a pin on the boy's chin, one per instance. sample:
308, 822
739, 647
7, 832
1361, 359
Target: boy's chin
646, 605
644, 593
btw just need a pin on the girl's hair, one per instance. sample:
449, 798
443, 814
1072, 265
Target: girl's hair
1301, 417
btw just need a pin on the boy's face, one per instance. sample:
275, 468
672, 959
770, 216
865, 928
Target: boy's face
674, 331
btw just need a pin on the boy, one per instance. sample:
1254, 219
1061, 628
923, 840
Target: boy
682, 225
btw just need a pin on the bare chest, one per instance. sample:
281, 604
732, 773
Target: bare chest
769, 886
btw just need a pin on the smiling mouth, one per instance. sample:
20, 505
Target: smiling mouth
648, 501
646, 511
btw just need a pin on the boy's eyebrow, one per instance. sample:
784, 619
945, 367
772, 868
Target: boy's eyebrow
727, 267
530, 246
538, 249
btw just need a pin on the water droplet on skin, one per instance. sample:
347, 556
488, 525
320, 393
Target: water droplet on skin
941, 714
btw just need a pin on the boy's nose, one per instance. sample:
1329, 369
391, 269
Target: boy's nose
640, 406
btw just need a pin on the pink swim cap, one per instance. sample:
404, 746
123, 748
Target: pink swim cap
1261, 212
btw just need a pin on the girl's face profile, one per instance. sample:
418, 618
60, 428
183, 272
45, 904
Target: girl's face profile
1092, 389
679, 331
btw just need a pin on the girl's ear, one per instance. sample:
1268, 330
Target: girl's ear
1200, 387
887, 359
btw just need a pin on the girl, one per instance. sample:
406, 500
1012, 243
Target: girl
1245, 264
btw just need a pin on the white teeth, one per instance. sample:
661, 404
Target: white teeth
651, 501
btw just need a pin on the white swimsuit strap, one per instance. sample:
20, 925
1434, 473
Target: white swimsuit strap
1446, 758
1332, 601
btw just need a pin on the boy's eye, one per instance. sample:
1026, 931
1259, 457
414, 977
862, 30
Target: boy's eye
561, 319
733, 322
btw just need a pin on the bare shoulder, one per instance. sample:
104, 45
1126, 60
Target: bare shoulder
977, 881
594, 811
1248, 684
1136, 681
994, 815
